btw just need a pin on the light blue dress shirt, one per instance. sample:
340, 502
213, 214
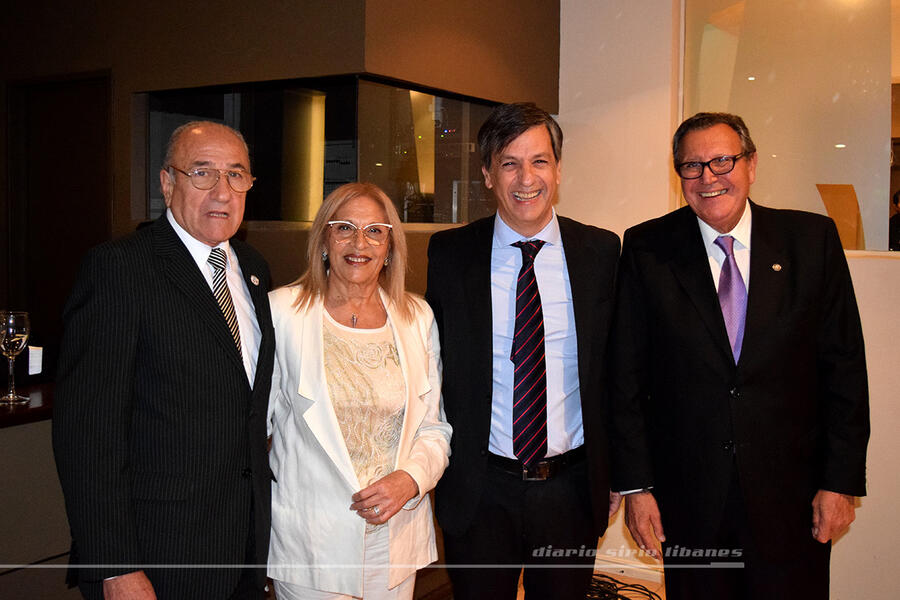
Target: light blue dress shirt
564, 425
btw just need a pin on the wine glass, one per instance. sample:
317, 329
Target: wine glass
13, 339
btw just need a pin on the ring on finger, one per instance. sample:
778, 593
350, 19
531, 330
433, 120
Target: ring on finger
376, 510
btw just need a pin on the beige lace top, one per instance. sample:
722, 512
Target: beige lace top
366, 386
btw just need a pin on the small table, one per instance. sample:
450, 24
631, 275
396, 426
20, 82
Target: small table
39, 408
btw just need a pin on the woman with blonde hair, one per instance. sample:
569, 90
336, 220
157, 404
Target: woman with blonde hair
359, 435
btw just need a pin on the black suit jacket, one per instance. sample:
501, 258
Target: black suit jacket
160, 441
459, 291
792, 415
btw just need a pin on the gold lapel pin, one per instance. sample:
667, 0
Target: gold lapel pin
255, 280
776, 267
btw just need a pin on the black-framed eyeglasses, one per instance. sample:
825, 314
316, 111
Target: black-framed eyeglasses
206, 178
717, 166
375, 233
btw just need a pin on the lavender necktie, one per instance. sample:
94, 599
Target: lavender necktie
732, 296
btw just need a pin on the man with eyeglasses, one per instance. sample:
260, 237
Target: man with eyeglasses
523, 301
159, 420
739, 396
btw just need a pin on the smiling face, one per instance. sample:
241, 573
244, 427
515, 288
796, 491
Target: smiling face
718, 200
210, 216
524, 178
355, 261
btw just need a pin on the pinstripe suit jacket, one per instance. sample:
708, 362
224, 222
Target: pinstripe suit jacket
160, 441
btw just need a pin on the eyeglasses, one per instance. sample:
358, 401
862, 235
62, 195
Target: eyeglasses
717, 166
375, 233
205, 178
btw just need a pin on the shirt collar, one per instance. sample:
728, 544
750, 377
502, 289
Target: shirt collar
199, 251
504, 235
740, 232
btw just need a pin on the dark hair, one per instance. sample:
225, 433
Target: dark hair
705, 120
507, 122
896, 198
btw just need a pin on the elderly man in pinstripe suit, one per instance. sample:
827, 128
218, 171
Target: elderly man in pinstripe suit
159, 425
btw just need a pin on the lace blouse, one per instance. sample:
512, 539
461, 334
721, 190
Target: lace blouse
368, 393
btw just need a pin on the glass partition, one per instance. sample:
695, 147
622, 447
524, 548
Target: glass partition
307, 137
812, 81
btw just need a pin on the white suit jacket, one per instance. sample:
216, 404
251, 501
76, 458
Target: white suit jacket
317, 541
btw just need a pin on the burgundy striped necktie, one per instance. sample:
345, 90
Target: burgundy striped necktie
530, 380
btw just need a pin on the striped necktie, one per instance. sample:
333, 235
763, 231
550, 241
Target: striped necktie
530, 379
220, 289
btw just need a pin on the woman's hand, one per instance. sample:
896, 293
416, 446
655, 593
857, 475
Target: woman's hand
384, 498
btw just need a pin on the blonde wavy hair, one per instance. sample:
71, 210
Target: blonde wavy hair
392, 278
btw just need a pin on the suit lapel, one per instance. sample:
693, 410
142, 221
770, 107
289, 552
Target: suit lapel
582, 282
477, 281
769, 270
260, 298
691, 267
313, 388
180, 268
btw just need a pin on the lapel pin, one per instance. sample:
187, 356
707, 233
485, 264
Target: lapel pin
255, 280
776, 267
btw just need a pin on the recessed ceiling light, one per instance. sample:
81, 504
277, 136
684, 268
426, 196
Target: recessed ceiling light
840, 145
751, 78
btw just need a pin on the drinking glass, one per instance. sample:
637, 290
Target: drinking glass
14, 330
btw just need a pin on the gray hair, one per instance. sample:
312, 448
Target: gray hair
175, 138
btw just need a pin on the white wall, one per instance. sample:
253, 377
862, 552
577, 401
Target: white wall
617, 108
619, 68
618, 82
864, 561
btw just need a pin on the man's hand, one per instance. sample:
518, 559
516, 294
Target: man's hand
615, 499
832, 514
643, 521
131, 586
384, 498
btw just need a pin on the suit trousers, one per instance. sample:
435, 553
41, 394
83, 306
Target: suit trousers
544, 526
740, 571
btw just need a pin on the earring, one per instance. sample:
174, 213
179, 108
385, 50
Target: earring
324, 256
387, 260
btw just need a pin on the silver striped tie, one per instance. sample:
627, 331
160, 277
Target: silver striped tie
223, 296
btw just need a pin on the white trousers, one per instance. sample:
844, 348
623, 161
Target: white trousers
375, 577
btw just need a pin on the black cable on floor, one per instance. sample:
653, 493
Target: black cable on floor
604, 587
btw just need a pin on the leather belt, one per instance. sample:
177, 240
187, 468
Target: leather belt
542, 470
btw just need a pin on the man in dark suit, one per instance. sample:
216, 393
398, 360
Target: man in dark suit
523, 301
159, 419
740, 419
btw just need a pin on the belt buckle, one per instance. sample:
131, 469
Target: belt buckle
539, 472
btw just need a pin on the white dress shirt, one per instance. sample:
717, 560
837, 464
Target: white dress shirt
741, 248
564, 425
240, 295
